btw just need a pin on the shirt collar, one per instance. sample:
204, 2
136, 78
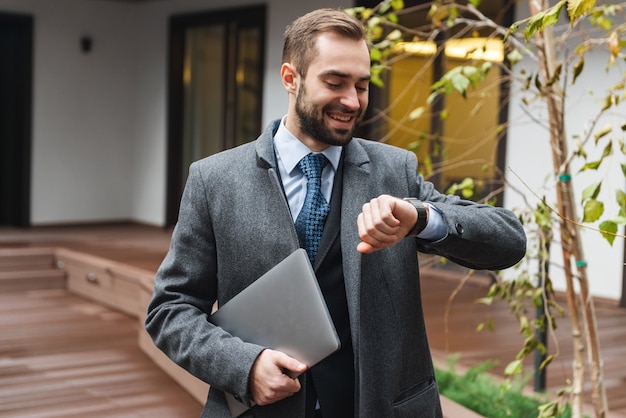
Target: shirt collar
291, 150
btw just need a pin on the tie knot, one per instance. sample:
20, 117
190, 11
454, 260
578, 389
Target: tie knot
312, 165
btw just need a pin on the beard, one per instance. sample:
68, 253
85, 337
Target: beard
312, 122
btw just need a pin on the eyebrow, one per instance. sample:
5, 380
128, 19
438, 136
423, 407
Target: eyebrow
340, 74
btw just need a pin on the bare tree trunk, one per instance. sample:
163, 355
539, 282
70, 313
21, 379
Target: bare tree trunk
571, 245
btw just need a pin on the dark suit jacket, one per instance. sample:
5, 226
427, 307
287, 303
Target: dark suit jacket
235, 224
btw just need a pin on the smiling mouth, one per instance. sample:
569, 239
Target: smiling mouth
340, 118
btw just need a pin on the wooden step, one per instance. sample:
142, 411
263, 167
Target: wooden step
14, 259
25, 280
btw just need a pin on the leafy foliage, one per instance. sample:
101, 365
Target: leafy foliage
478, 391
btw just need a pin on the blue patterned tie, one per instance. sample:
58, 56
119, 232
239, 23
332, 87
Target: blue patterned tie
310, 221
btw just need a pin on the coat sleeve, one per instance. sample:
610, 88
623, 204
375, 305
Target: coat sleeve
479, 236
185, 290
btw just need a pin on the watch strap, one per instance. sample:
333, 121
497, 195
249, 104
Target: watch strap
422, 216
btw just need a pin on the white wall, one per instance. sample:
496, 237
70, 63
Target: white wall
83, 112
530, 161
99, 119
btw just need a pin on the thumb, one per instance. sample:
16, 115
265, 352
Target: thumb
290, 365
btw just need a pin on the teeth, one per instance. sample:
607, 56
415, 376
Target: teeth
341, 118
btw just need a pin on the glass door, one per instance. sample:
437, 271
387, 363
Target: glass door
216, 80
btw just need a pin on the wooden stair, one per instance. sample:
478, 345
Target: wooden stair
24, 269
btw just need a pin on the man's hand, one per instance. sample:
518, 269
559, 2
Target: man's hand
384, 222
268, 381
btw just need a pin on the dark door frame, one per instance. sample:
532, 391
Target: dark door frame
246, 15
16, 81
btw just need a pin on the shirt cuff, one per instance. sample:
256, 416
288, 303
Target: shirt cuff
435, 228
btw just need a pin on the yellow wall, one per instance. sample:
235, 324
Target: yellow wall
469, 141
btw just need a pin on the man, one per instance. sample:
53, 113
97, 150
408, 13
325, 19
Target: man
239, 217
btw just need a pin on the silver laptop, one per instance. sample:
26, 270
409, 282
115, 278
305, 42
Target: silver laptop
283, 310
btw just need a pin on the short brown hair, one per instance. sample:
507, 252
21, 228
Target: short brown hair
301, 35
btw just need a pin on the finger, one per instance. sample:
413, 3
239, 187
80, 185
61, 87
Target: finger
365, 248
269, 383
379, 226
371, 238
383, 208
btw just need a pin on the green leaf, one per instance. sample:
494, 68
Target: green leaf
377, 81
546, 362
547, 410
608, 150
608, 229
534, 25
620, 198
475, 3
417, 113
591, 191
538, 297
624, 169
394, 35
593, 209
392, 17
375, 55
524, 325
552, 14
514, 57
460, 83
397, 4
577, 8
602, 132
384, 6
608, 102
578, 68
591, 166
538, 22
513, 368
435, 94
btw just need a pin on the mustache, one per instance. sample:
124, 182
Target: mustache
342, 109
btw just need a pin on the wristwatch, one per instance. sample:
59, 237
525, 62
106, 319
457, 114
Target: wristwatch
422, 216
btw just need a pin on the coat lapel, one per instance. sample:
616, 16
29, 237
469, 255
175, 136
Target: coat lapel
276, 199
356, 179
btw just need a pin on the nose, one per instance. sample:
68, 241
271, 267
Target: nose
350, 99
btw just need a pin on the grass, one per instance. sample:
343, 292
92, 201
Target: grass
477, 390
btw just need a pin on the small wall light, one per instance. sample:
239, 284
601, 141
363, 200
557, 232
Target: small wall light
86, 44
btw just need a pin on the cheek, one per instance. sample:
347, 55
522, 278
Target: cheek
364, 101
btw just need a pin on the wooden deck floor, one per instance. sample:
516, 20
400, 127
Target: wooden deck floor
48, 369
62, 356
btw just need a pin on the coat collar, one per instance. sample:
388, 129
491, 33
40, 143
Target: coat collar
265, 146
355, 155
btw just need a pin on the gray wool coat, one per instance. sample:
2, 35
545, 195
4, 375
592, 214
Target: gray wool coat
235, 224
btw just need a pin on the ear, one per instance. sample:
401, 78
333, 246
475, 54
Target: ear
289, 76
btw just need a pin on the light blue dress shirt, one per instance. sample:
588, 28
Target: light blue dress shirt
289, 152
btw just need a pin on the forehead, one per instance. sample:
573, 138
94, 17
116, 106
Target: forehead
336, 53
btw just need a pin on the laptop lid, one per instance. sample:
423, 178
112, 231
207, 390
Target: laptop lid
283, 310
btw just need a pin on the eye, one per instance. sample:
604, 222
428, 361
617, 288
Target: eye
333, 85
362, 89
